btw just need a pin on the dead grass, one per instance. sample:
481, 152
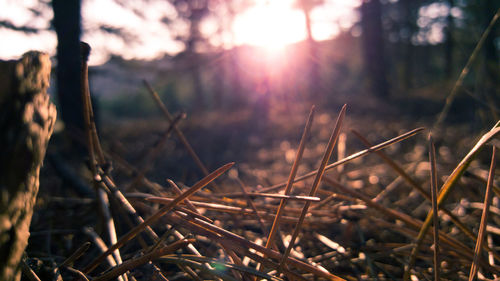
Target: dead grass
366, 218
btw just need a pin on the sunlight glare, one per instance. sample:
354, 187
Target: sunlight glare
270, 24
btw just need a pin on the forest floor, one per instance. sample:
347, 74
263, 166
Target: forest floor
342, 234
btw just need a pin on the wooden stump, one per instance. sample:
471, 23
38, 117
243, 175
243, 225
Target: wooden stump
27, 120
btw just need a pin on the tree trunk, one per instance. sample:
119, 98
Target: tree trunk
27, 120
67, 25
373, 47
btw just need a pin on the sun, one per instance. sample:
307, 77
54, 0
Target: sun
270, 24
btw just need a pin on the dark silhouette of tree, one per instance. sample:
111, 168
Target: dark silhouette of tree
373, 47
67, 25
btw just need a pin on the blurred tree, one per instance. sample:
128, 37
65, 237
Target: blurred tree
491, 82
449, 41
373, 47
491, 51
228, 88
315, 86
409, 12
193, 12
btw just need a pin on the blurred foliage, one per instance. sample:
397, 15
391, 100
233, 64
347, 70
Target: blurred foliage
425, 45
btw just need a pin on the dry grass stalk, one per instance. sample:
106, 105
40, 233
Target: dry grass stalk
293, 172
448, 187
233, 247
150, 155
94, 148
434, 192
250, 202
484, 217
78, 273
245, 211
133, 232
466, 70
133, 263
317, 180
349, 158
28, 272
78, 253
179, 133
194, 262
99, 243
494, 187
398, 169
242, 245
126, 206
188, 203
395, 166
456, 245
283, 197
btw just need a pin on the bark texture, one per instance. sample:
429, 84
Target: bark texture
27, 120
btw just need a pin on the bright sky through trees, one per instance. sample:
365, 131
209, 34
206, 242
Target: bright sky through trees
269, 24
